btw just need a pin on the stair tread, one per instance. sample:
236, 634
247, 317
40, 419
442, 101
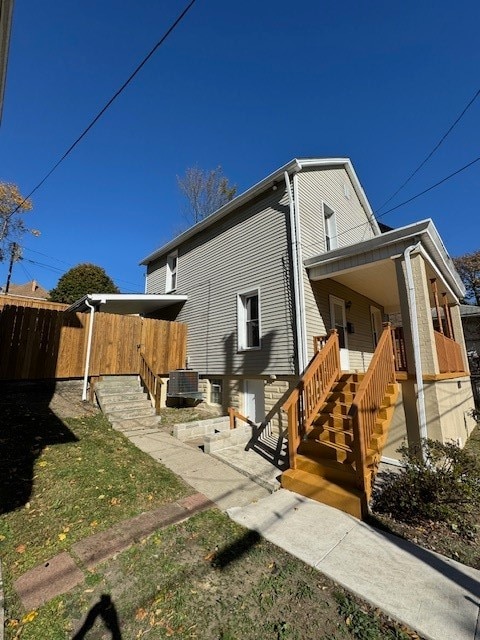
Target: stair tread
329, 463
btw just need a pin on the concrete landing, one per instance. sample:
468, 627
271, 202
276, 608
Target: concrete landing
223, 485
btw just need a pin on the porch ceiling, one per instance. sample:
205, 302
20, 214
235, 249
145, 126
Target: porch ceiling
373, 278
377, 281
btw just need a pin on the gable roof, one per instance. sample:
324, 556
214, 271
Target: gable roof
294, 166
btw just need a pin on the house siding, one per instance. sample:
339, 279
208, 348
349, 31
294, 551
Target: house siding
244, 251
360, 343
353, 226
351, 218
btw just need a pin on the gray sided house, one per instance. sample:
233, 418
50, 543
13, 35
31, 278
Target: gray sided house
270, 274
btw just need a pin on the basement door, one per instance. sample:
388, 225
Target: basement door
339, 322
254, 400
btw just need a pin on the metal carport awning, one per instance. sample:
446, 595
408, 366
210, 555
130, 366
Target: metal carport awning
126, 303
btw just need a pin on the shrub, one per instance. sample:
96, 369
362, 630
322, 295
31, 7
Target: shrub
441, 485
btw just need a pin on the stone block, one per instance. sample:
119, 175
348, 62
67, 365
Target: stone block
50, 579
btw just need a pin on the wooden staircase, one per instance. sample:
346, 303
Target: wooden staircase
337, 454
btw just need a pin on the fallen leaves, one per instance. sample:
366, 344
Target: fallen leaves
21, 548
29, 617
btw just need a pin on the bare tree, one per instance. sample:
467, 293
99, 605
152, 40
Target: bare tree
468, 266
205, 192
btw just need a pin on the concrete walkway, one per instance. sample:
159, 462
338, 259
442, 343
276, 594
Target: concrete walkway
435, 596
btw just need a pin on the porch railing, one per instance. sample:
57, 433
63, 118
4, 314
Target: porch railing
151, 381
449, 354
308, 396
368, 401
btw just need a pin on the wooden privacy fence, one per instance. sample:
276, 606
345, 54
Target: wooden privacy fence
45, 343
24, 301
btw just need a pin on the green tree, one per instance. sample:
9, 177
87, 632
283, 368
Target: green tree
468, 266
12, 225
80, 280
205, 192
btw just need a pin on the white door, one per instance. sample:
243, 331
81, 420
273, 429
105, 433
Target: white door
339, 322
377, 324
254, 400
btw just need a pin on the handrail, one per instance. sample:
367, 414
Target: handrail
151, 381
368, 401
449, 352
233, 414
310, 393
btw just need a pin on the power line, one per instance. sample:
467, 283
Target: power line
449, 130
108, 104
430, 188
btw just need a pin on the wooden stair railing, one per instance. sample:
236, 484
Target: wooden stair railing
304, 402
151, 381
233, 414
367, 403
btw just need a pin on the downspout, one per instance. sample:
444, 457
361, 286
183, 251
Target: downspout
417, 359
301, 287
89, 348
296, 278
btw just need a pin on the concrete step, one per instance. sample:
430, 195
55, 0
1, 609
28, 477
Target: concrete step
116, 389
131, 394
119, 405
138, 412
347, 499
131, 424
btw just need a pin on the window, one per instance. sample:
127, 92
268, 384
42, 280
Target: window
172, 264
249, 320
330, 227
215, 392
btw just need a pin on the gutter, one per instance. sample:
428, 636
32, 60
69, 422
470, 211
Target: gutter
417, 359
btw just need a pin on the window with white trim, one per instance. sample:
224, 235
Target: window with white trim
330, 226
249, 320
172, 266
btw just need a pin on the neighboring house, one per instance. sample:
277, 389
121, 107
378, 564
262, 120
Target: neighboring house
471, 328
30, 289
6, 10
301, 253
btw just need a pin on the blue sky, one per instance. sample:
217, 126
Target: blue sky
247, 85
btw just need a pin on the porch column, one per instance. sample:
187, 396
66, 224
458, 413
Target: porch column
428, 355
423, 319
458, 334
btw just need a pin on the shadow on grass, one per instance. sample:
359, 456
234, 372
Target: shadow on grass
27, 426
104, 609
236, 550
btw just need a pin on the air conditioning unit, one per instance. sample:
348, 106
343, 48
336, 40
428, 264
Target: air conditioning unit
183, 383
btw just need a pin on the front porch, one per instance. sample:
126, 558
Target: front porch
371, 387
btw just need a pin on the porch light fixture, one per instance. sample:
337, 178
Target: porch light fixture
348, 304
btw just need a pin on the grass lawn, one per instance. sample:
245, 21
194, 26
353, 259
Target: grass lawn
204, 578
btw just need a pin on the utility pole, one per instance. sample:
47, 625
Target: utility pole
15, 254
